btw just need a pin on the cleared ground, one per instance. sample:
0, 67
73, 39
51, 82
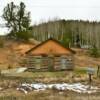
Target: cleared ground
9, 83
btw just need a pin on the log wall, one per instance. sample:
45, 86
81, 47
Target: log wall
61, 62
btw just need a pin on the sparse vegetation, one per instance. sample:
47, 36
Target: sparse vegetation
94, 51
23, 35
51, 95
57, 76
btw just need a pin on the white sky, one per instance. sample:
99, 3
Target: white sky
67, 9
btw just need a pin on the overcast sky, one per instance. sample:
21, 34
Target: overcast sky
64, 9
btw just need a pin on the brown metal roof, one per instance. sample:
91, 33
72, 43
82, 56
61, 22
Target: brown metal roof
32, 49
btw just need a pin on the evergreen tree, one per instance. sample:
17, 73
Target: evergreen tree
17, 18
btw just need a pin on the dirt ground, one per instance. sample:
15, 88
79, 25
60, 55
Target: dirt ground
10, 84
48, 95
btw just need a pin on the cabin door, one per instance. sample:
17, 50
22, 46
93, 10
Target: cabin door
51, 63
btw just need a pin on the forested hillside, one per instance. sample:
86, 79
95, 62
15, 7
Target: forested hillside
69, 32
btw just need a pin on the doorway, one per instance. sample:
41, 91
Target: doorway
51, 63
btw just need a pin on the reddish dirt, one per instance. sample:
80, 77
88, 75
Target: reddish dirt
12, 52
83, 59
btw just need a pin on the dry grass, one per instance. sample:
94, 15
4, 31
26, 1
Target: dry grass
83, 59
77, 75
49, 95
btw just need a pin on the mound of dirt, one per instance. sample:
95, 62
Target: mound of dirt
12, 53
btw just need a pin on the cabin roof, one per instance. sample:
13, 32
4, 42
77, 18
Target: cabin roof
54, 40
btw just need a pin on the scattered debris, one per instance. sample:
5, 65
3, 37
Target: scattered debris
76, 87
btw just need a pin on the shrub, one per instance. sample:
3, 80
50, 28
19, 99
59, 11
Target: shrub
94, 51
9, 67
24, 35
1, 43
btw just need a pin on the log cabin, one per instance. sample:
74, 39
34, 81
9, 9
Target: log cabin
50, 55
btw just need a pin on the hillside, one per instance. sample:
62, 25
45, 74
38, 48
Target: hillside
83, 59
13, 51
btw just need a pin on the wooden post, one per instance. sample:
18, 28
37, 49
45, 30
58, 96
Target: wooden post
98, 71
90, 78
90, 72
0, 72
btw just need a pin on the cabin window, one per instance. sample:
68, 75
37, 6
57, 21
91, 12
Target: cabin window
63, 62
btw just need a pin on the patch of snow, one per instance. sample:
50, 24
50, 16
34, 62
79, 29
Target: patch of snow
14, 70
20, 70
76, 87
